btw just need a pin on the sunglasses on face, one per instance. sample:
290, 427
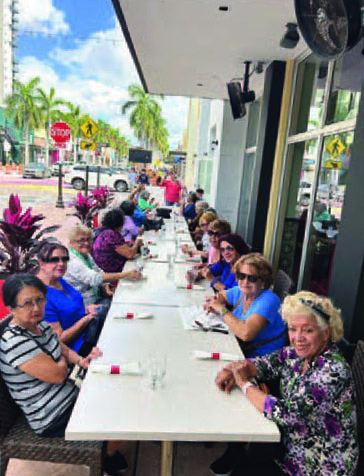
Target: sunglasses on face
204, 224
58, 259
228, 248
252, 278
214, 233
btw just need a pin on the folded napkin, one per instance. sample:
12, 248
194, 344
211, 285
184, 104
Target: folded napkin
201, 354
151, 243
130, 368
133, 315
156, 259
184, 285
193, 259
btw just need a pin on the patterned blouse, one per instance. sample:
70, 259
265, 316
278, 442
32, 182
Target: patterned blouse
316, 414
104, 252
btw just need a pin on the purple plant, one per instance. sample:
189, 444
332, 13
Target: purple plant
19, 238
102, 196
86, 208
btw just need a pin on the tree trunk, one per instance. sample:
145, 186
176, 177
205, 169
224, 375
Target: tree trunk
26, 159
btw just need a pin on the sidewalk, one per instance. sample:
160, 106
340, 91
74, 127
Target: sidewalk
57, 216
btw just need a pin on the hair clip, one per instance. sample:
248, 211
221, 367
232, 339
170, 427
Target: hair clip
316, 308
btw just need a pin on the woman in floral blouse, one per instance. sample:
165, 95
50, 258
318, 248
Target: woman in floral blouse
316, 411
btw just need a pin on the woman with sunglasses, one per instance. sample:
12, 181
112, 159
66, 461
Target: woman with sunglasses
221, 274
65, 309
205, 220
255, 317
83, 273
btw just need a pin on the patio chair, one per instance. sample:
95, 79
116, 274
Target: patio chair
18, 440
283, 285
358, 375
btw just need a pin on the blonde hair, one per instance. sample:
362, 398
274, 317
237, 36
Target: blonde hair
222, 226
201, 205
293, 305
78, 230
261, 264
207, 216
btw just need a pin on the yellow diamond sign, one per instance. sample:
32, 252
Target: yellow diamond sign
335, 147
89, 128
86, 145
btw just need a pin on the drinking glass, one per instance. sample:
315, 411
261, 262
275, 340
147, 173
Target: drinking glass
144, 251
140, 264
191, 276
156, 371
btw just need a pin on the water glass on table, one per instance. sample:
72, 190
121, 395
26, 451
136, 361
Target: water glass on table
140, 264
144, 251
191, 276
156, 368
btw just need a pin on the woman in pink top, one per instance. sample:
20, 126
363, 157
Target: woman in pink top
173, 189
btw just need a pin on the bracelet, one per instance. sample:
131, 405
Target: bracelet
247, 385
224, 311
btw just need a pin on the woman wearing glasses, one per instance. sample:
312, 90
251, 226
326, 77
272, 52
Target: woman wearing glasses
255, 317
65, 309
315, 409
221, 274
83, 273
36, 366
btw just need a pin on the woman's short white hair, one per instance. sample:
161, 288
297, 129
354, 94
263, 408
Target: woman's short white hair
78, 230
201, 205
310, 304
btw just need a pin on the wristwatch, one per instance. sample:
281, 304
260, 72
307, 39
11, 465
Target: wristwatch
247, 385
224, 311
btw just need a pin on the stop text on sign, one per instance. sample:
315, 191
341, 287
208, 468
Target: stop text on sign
60, 132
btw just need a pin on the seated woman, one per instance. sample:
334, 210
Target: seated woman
130, 231
255, 317
65, 309
145, 202
110, 250
82, 272
204, 242
35, 365
221, 274
200, 207
315, 411
189, 210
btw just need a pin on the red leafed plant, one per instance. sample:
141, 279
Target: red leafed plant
102, 196
20, 233
86, 208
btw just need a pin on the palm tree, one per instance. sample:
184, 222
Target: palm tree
75, 120
50, 112
22, 106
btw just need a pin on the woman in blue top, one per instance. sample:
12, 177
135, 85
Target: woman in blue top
255, 318
65, 311
221, 274
189, 211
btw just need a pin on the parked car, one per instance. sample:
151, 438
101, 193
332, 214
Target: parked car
77, 178
66, 167
36, 170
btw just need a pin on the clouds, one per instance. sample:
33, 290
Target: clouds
95, 74
42, 16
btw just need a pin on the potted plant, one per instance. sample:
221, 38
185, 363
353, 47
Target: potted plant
86, 208
102, 197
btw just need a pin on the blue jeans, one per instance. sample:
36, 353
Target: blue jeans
170, 204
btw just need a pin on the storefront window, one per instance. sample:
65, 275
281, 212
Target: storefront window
252, 134
345, 92
309, 96
328, 206
302, 156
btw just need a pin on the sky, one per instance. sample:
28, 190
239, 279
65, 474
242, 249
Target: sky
77, 47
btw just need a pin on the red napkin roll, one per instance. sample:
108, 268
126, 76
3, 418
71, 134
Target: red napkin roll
189, 286
115, 369
130, 315
215, 355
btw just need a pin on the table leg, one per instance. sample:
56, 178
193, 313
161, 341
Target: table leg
166, 458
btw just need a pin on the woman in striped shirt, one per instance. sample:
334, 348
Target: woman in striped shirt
35, 365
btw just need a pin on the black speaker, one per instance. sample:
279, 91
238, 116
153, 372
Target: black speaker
236, 101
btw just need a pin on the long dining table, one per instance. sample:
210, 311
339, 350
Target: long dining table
189, 406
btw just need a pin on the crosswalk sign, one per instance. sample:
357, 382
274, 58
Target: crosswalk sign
87, 145
89, 128
334, 164
335, 148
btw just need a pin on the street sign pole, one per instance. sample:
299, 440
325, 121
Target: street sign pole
98, 177
86, 182
60, 203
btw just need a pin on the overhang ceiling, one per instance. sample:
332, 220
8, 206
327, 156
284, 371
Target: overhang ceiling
191, 48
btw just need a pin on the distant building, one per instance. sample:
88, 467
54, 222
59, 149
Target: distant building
8, 33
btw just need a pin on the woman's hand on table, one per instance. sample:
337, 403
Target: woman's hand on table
215, 306
94, 354
185, 249
219, 286
133, 275
141, 231
242, 371
225, 380
206, 273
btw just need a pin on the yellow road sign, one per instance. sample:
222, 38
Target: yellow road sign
86, 145
333, 164
89, 128
335, 147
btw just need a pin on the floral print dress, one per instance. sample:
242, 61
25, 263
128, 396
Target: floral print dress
316, 414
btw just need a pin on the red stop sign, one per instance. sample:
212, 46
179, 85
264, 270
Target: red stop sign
60, 132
